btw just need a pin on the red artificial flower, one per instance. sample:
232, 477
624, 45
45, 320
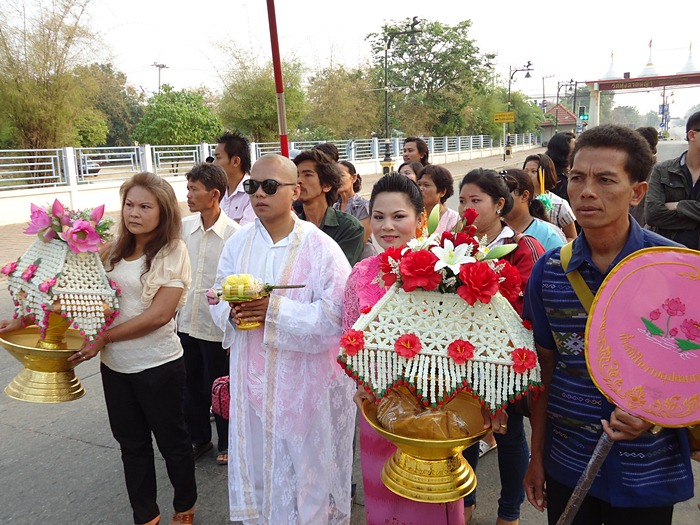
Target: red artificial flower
527, 324
460, 351
407, 345
674, 306
465, 238
469, 216
479, 282
388, 276
510, 285
352, 341
523, 360
366, 309
418, 271
447, 236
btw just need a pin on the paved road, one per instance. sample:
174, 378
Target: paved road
60, 465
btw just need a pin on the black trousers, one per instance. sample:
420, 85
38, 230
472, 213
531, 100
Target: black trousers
148, 402
204, 362
594, 511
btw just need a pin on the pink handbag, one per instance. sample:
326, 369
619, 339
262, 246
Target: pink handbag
221, 397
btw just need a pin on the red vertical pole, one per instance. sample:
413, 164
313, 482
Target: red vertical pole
279, 85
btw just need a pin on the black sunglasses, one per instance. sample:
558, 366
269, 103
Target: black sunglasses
269, 186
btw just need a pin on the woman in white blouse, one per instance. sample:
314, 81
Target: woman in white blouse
143, 371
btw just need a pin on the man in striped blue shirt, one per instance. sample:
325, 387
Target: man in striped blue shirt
644, 475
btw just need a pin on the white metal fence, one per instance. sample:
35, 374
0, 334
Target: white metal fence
47, 168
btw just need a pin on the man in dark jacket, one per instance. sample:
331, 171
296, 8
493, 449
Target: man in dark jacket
673, 199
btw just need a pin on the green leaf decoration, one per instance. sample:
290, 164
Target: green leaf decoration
500, 251
685, 345
433, 220
653, 329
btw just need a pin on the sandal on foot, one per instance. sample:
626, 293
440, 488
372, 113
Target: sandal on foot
222, 458
186, 518
485, 448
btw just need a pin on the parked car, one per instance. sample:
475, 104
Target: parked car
90, 167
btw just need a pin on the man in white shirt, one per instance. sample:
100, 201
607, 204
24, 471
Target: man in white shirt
292, 424
205, 234
232, 153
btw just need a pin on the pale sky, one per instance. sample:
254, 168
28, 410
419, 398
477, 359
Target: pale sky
563, 40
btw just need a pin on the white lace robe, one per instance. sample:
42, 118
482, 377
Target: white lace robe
287, 375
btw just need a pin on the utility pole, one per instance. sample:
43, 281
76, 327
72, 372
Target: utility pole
160, 68
544, 100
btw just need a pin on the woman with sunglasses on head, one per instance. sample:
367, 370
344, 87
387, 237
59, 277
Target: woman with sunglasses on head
351, 202
489, 194
528, 214
396, 211
541, 170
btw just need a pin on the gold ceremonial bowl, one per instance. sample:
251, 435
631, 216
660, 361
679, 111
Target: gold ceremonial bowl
47, 376
431, 471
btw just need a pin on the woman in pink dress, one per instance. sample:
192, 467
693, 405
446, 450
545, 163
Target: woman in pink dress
396, 211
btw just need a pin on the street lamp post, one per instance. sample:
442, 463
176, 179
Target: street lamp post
387, 163
512, 71
567, 84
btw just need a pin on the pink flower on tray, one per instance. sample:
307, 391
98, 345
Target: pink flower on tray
479, 283
418, 271
114, 286
81, 237
352, 341
691, 329
408, 345
9, 268
655, 315
674, 306
460, 351
29, 272
46, 286
523, 360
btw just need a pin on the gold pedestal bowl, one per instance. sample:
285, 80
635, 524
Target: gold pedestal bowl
47, 376
431, 471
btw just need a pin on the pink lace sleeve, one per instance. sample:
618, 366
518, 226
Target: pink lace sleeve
361, 291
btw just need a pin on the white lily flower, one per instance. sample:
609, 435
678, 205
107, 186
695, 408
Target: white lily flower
422, 243
451, 256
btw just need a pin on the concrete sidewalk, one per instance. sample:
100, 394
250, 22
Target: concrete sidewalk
59, 464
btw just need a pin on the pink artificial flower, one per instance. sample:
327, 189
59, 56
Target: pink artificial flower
9, 268
212, 296
655, 314
60, 213
674, 306
114, 286
352, 341
523, 360
39, 220
46, 286
29, 272
691, 329
408, 345
97, 213
81, 237
460, 351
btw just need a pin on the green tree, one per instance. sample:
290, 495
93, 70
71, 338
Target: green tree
341, 101
626, 116
40, 44
440, 69
121, 104
249, 102
177, 117
91, 128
